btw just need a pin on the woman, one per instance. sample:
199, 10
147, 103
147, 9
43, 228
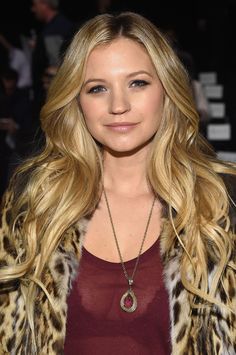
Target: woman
123, 173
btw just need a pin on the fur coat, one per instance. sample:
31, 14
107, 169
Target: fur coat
211, 333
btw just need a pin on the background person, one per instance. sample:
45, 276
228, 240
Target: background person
17, 60
48, 45
15, 122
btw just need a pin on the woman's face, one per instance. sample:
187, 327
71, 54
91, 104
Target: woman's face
122, 97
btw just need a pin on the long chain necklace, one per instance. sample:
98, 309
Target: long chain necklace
128, 301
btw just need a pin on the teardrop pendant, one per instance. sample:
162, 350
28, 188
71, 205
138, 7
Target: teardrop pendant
128, 301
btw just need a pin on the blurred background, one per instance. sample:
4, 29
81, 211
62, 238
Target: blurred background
34, 34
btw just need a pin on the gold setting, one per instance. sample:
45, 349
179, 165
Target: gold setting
131, 309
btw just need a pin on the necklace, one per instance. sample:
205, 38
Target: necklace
128, 301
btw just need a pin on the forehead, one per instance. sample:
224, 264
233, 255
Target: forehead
121, 52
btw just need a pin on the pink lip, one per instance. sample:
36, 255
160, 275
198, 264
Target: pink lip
118, 124
121, 126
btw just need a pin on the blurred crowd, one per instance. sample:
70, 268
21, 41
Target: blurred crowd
27, 67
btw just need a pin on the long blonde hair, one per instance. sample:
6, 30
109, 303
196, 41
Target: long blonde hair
64, 179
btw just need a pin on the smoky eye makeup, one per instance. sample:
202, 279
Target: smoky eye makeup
100, 88
96, 89
139, 83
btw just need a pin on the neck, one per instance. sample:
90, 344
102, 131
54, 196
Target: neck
126, 174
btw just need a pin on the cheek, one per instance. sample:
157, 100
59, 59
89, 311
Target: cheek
91, 117
156, 103
91, 109
88, 117
88, 111
153, 108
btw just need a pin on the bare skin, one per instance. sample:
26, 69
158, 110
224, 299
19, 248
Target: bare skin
99, 239
130, 204
123, 88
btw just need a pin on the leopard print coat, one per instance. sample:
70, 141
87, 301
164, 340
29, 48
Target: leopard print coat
212, 333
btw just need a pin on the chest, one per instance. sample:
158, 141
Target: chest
94, 312
130, 225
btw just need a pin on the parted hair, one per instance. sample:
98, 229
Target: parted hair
64, 179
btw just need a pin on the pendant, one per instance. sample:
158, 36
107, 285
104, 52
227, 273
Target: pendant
128, 301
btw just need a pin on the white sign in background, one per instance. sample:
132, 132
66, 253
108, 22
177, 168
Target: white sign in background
208, 78
217, 109
213, 91
219, 132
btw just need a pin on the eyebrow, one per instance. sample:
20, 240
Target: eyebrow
128, 76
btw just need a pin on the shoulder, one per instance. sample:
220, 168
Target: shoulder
11, 220
230, 184
7, 249
6, 208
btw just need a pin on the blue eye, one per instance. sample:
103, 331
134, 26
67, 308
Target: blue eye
96, 89
139, 83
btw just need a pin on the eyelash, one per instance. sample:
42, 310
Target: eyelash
139, 83
99, 88
96, 89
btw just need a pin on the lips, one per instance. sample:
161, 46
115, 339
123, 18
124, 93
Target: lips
121, 124
121, 127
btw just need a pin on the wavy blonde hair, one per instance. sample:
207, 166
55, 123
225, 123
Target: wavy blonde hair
64, 181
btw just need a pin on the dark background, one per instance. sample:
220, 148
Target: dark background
206, 28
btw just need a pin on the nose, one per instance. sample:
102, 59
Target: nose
119, 102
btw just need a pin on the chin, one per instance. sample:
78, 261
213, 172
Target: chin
126, 151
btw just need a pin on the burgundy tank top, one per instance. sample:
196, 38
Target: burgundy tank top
97, 325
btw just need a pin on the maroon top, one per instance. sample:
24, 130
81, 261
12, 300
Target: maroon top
97, 325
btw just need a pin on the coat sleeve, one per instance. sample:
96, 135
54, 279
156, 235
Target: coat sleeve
217, 332
226, 318
11, 304
7, 251
210, 331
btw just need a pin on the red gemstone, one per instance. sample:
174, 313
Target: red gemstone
128, 301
